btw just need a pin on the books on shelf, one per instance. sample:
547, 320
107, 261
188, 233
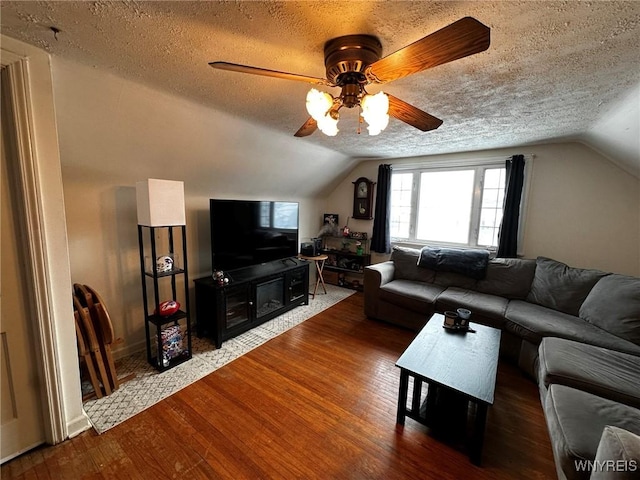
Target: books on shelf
172, 345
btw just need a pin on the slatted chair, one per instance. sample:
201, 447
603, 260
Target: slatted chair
91, 343
85, 357
102, 326
93, 311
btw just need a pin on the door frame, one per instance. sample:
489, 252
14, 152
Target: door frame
30, 94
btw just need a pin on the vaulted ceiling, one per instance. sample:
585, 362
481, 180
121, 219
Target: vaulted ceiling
555, 70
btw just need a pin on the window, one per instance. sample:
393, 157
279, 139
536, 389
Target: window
444, 206
401, 192
280, 215
457, 206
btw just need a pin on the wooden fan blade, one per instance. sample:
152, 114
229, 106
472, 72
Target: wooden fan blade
308, 128
234, 67
412, 115
465, 37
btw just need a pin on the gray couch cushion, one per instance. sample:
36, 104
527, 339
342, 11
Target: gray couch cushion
575, 432
416, 296
482, 305
534, 322
614, 305
603, 372
508, 277
406, 265
451, 279
560, 287
618, 455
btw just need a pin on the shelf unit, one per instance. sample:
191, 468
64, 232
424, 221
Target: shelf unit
345, 265
176, 328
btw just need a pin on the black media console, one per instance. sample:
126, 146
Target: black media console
253, 295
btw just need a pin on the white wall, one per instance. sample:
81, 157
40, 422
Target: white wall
617, 132
582, 209
114, 132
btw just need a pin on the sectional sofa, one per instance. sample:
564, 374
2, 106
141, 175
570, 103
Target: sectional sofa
575, 331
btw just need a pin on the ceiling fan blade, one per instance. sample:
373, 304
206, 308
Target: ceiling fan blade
308, 128
465, 37
234, 67
412, 115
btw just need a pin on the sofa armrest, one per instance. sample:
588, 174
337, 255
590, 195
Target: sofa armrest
375, 276
381, 273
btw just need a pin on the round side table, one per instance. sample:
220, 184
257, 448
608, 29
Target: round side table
319, 261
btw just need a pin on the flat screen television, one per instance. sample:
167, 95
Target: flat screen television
250, 232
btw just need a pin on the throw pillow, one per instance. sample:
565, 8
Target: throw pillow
469, 262
560, 287
614, 305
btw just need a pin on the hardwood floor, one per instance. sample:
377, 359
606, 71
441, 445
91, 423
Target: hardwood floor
319, 401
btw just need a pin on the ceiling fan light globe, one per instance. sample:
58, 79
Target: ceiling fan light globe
328, 125
376, 105
378, 125
318, 104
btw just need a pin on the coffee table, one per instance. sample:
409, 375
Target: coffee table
462, 365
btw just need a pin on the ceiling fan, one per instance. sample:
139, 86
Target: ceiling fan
354, 61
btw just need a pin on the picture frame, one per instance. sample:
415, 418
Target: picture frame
330, 225
331, 218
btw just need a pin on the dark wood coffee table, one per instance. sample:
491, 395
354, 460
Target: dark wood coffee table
462, 365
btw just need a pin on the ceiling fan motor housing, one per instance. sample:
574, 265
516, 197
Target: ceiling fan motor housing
347, 57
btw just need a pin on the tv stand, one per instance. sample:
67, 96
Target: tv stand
253, 295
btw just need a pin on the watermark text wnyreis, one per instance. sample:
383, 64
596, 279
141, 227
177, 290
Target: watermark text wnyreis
606, 465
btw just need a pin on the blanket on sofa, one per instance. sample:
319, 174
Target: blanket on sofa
472, 263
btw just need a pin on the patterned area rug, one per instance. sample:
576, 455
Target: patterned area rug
149, 386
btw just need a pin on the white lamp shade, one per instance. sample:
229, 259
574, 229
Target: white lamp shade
160, 203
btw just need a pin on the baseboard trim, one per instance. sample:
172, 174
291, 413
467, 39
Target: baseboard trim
129, 350
78, 425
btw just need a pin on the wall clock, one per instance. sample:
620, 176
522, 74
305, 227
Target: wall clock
363, 198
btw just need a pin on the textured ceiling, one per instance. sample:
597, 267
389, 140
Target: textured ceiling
553, 69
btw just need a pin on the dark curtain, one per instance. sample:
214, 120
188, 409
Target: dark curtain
508, 236
381, 237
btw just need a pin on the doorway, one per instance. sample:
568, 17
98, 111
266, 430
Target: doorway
21, 420
27, 99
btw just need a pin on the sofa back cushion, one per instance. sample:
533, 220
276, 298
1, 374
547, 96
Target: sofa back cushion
560, 287
508, 277
614, 305
452, 279
405, 261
